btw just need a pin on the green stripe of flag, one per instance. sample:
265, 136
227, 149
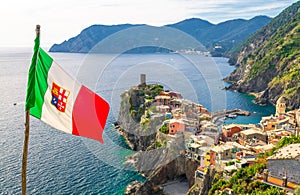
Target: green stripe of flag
37, 81
31, 75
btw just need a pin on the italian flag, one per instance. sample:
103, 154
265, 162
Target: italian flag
62, 102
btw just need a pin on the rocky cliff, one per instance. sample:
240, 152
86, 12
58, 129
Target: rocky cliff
159, 164
165, 169
206, 183
269, 61
134, 102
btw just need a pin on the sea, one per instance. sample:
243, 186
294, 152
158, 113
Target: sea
59, 163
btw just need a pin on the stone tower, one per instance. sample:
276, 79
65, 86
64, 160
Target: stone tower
280, 106
143, 79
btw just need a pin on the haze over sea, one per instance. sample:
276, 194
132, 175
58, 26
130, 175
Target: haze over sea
59, 163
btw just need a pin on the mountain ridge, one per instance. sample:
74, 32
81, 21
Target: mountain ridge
269, 61
202, 30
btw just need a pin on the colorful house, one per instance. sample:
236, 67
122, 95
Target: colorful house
162, 108
229, 130
252, 136
175, 95
162, 100
176, 125
271, 123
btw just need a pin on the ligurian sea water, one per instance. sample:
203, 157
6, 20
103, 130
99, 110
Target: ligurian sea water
60, 163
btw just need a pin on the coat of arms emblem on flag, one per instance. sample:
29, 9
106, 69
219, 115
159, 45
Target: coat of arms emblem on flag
59, 97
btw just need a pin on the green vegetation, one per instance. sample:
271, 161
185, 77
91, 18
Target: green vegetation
156, 89
283, 142
146, 121
267, 31
297, 191
164, 129
141, 97
270, 59
243, 182
278, 53
152, 109
160, 145
230, 163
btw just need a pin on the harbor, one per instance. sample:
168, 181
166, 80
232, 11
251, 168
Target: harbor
220, 116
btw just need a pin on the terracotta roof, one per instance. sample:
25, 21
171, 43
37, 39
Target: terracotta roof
229, 126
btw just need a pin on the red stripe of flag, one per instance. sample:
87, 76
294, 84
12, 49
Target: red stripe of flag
89, 115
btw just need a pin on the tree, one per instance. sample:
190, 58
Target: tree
297, 191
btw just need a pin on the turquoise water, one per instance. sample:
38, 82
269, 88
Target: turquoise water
59, 163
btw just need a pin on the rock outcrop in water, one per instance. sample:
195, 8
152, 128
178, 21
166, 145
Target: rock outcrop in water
159, 164
138, 134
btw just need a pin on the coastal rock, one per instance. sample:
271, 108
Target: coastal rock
139, 136
158, 164
269, 61
207, 183
190, 168
133, 187
177, 168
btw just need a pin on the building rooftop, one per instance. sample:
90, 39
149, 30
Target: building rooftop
227, 146
202, 138
176, 121
195, 145
264, 147
288, 152
162, 97
229, 126
163, 106
251, 131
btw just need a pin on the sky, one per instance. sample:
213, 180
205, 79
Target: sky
62, 19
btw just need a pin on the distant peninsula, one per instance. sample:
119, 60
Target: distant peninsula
219, 39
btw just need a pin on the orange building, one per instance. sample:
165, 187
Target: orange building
176, 125
229, 130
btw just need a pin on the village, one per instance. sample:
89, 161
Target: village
230, 147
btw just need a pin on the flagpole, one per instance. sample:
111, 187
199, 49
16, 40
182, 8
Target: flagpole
26, 138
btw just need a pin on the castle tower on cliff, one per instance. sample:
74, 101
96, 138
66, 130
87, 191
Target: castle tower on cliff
143, 79
280, 106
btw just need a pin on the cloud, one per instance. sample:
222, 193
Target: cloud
217, 11
61, 20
